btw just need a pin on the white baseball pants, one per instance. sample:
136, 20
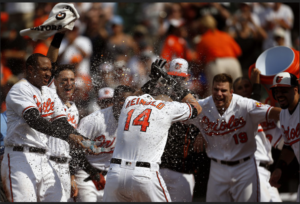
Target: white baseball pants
239, 183
135, 184
268, 193
63, 172
87, 191
180, 185
29, 177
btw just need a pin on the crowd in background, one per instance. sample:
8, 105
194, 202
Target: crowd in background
115, 43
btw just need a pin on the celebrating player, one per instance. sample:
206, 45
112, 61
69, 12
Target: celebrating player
177, 161
59, 150
285, 90
268, 135
141, 137
30, 108
228, 123
101, 127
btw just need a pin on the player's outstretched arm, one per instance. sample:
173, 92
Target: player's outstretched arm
286, 157
59, 128
189, 98
274, 113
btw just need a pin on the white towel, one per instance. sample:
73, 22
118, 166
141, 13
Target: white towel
61, 18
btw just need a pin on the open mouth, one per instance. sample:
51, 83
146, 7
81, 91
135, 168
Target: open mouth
68, 90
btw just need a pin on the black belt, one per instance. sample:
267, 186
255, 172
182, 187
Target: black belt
61, 160
265, 165
138, 164
231, 163
31, 149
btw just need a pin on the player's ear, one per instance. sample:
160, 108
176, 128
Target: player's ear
231, 91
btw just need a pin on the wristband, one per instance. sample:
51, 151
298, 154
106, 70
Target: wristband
57, 39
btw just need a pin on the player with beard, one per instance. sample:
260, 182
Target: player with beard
285, 90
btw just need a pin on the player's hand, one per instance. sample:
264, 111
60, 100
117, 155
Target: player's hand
74, 188
275, 178
199, 143
97, 178
255, 76
76, 140
156, 68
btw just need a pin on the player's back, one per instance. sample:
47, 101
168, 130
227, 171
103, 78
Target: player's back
143, 127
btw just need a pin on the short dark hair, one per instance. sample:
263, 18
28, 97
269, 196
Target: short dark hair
32, 60
239, 79
223, 77
122, 89
63, 67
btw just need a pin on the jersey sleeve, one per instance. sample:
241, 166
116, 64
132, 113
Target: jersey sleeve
20, 99
258, 111
178, 111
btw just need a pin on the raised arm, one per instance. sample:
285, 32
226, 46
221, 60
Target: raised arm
274, 113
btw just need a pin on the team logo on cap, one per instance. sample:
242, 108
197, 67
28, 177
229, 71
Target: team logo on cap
106, 92
178, 65
60, 16
278, 79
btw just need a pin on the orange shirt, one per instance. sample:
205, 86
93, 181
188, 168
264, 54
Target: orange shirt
41, 48
6, 74
175, 47
217, 44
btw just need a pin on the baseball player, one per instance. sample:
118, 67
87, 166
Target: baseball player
268, 135
105, 96
141, 137
177, 162
59, 150
228, 123
285, 90
31, 105
101, 127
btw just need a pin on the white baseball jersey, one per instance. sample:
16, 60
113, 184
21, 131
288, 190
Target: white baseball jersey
59, 147
291, 129
101, 127
24, 96
51, 84
231, 136
269, 134
143, 127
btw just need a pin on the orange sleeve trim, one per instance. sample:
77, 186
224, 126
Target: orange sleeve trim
27, 109
59, 116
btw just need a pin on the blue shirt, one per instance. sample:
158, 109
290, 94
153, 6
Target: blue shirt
3, 131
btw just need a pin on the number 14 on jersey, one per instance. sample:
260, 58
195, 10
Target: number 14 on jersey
142, 120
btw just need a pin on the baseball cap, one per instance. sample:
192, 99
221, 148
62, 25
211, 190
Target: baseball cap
106, 92
284, 79
179, 67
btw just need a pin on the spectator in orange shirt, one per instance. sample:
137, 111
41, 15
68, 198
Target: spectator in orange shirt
175, 46
217, 51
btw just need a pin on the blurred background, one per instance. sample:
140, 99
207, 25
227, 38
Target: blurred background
115, 43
